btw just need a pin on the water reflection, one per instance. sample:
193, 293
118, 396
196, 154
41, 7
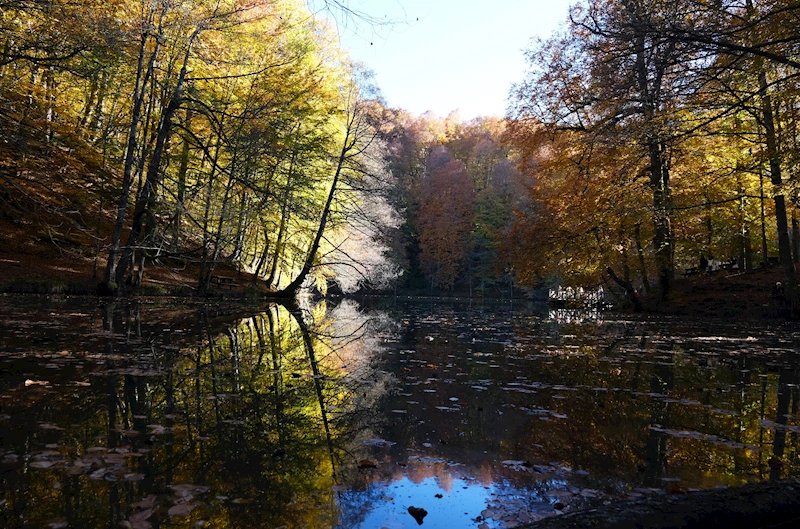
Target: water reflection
149, 422
143, 415
582, 315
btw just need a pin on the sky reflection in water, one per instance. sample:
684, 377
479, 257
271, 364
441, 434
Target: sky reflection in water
152, 415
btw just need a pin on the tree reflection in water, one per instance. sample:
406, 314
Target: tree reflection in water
238, 425
145, 415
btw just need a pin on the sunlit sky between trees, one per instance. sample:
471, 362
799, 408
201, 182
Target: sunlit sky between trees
443, 55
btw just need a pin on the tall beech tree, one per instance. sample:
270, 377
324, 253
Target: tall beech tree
358, 133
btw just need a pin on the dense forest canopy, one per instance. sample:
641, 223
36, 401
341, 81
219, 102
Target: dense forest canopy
653, 133
209, 131
155, 133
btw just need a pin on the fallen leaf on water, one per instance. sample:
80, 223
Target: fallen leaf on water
98, 474
157, 429
186, 489
378, 442
559, 494
140, 517
181, 509
48, 426
146, 503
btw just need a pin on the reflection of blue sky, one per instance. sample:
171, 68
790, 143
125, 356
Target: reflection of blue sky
458, 507
462, 502
520, 415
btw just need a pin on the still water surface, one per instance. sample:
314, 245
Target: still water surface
177, 415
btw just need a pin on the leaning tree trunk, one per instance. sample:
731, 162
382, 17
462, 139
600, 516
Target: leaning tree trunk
293, 288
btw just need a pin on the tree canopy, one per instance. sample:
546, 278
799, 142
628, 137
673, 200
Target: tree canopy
651, 134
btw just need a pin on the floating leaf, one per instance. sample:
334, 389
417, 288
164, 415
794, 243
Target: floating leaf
181, 509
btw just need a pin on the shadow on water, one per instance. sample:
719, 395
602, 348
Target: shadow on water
151, 415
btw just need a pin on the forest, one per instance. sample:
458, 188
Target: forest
223, 172
164, 134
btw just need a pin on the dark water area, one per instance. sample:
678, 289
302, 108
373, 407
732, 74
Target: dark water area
141, 414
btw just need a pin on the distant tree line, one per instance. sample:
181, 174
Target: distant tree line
457, 185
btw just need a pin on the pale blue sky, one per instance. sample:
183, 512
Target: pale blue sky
451, 54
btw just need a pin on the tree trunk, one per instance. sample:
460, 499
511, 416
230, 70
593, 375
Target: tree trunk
209, 267
630, 293
110, 284
279, 241
238, 250
649, 89
662, 238
153, 167
202, 281
640, 253
181, 196
263, 259
764, 250
773, 153
795, 237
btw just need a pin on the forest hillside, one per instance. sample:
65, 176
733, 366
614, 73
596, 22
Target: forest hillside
172, 143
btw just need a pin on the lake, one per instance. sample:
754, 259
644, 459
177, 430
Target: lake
177, 414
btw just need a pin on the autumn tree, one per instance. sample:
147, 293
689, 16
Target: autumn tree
445, 217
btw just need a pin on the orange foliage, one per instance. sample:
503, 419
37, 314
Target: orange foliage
445, 218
